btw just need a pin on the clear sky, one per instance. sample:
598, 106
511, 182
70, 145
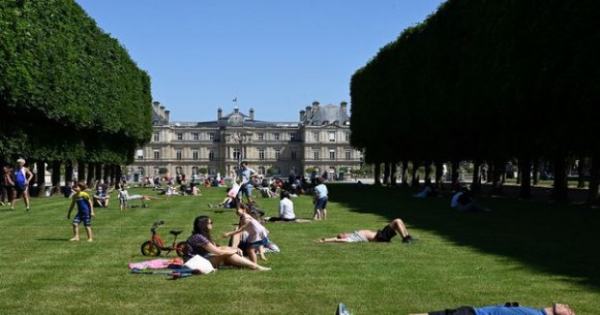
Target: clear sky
273, 55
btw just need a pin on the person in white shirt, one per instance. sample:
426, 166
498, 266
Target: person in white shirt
286, 209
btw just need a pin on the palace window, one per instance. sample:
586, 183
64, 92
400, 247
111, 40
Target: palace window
332, 136
316, 155
179, 136
293, 136
261, 136
293, 155
347, 135
196, 136
156, 154
348, 155
178, 154
195, 154
261, 170
236, 154
332, 154
211, 136
276, 136
140, 154
261, 154
211, 155
316, 136
156, 137
277, 154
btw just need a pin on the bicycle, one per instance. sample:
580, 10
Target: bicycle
155, 245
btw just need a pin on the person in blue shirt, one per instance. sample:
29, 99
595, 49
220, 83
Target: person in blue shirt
320, 201
555, 309
85, 211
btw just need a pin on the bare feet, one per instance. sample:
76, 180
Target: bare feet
261, 268
90, 239
74, 239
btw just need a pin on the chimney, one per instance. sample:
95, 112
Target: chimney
343, 106
162, 108
315, 105
236, 109
168, 115
219, 113
302, 113
156, 104
251, 113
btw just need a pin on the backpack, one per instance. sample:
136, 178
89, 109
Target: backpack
20, 178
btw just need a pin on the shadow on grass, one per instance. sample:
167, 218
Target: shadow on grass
52, 239
554, 238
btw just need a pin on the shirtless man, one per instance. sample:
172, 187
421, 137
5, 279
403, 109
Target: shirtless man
384, 235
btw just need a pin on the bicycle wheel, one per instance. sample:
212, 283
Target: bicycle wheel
181, 248
149, 249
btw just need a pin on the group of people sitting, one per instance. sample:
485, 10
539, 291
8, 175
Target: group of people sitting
462, 198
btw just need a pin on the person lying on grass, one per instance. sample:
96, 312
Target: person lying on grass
125, 198
555, 309
201, 243
384, 235
85, 211
257, 234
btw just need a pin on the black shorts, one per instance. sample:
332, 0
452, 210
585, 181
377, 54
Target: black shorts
385, 235
463, 310
20, 189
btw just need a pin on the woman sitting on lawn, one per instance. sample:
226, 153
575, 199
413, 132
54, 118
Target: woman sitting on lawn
200, 243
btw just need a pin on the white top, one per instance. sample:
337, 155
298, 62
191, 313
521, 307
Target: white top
123, 194
454, 201
321, 190
256, 231
286, 209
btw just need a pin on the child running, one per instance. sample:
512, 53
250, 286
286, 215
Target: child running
85, 211
257, 234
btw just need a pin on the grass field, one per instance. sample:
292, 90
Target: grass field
530, 252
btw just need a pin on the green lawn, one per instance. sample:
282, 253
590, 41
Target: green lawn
534, 253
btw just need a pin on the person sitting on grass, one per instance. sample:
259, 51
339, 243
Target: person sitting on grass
227, 203
463, 201
427, 191
85, 211
257, 234
201, 243
286, 209
102, 195
384, 235
508, 309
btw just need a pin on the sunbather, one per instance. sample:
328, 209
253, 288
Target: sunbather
384, 235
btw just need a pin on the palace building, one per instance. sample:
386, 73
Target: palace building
319, 140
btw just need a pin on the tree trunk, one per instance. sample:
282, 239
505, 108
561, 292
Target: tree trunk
377, 173
80, 171
427, 172
536, 172
594, 179
393, 174
68, 172
106, 173
405, 173
386, 173
55, 177
90, 174
41, 177
414, 178
560, 191
98, 175
439, 174
113, 175
455, 173
497, 178
525, 176
476, 184
581, 172
118, 173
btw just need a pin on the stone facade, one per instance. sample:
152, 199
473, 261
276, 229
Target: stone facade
320, 139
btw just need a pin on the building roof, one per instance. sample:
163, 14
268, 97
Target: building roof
328, 114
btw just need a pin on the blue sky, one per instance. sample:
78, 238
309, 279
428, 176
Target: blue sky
275, 56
